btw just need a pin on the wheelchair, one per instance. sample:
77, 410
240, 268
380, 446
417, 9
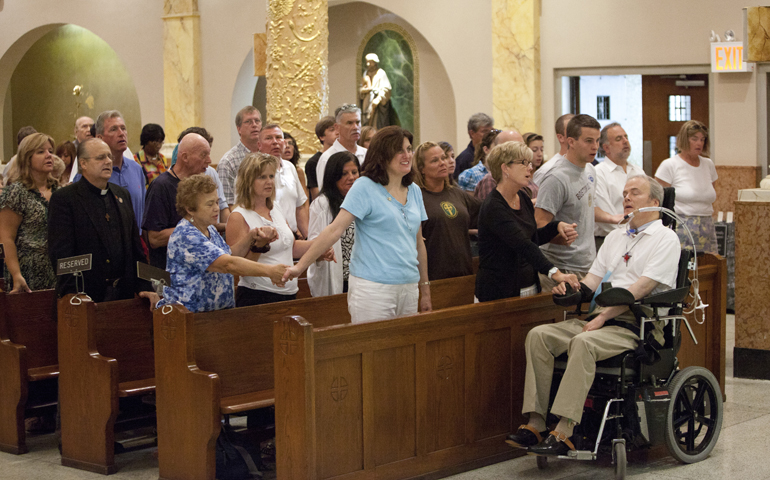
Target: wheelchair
641, 398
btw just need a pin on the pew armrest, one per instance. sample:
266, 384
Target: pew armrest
43, 373
247, 401
136, 387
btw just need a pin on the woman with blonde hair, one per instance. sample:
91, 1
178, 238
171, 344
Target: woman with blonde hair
451, 214
24, 217
255, 208
509, 257
692, 174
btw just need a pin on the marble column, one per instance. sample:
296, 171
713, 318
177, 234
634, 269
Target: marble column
757, 34
516, 64
752, 284
297, 67
181, 66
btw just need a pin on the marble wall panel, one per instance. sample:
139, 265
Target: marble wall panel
731, 179
758, 34
752, 275
181, 66
516, 64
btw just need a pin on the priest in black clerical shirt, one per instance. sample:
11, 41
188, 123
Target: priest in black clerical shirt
96, 217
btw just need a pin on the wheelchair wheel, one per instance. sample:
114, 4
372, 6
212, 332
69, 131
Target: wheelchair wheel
694, 417
619, 454
542, 462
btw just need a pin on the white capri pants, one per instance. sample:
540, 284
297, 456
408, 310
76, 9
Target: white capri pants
371, 301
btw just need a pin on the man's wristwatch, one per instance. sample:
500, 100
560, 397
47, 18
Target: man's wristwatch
552, 272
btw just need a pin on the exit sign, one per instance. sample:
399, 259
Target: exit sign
728, 57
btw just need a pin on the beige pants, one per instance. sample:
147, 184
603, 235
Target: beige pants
546, 284
546, 342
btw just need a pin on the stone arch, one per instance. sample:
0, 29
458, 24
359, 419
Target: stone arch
30, 95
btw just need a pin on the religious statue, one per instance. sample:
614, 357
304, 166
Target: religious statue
375, 94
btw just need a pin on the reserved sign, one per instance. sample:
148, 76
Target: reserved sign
81, 263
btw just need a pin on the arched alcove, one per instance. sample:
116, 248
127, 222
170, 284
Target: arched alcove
398, 57
45, 70
248, 90
349, 25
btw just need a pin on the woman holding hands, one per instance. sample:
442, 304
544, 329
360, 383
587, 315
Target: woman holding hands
509, 257
388, 267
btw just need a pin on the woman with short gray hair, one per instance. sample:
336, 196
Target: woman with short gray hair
509, 257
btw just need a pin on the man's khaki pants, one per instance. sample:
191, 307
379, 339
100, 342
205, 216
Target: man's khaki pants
546, 342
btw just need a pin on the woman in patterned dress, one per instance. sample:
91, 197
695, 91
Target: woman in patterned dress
325, 278
24, 217
201, 264
149, 157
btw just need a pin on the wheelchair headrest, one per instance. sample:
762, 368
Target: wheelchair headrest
669, 199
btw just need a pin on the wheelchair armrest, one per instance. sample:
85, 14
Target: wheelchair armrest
667, 298
614, 297
573, 297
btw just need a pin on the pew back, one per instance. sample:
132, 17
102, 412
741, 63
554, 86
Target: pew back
404, 397
105, 352
28, 352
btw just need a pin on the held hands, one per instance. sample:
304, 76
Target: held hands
20, 285
291, 273
567, 233
278, 275
263, 235
562, 278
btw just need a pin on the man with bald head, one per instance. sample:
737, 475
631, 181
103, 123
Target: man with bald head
160, 216
83, 129
487, 184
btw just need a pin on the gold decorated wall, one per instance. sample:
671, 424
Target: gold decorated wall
297, 67
41, 88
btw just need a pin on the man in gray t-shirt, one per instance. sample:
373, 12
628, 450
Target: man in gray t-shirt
567, 195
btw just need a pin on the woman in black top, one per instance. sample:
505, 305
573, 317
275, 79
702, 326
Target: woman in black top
509, 257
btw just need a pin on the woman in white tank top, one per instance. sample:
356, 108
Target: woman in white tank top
255, 207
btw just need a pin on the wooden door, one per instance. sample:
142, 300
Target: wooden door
657, 127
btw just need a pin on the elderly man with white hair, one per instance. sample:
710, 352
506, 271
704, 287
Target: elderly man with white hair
375, 94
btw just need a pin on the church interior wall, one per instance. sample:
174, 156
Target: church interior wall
657, 33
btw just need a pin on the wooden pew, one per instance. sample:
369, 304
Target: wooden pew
216, 363
424, 395
105, 354
711, 334
28, 357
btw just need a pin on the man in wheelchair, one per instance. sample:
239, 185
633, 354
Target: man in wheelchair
642, 258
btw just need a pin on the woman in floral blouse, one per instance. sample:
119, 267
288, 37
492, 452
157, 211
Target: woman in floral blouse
201, 264
24, 217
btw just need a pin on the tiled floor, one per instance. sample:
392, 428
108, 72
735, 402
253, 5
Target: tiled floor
741, 452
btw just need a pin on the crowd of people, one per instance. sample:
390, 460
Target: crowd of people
371, 214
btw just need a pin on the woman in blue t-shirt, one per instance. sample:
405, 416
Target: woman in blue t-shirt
201, 264
389, 260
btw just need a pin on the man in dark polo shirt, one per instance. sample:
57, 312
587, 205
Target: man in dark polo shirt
96, 217
160, 215
478, 125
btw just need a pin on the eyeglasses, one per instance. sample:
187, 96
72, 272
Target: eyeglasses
524, 162
496, 131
